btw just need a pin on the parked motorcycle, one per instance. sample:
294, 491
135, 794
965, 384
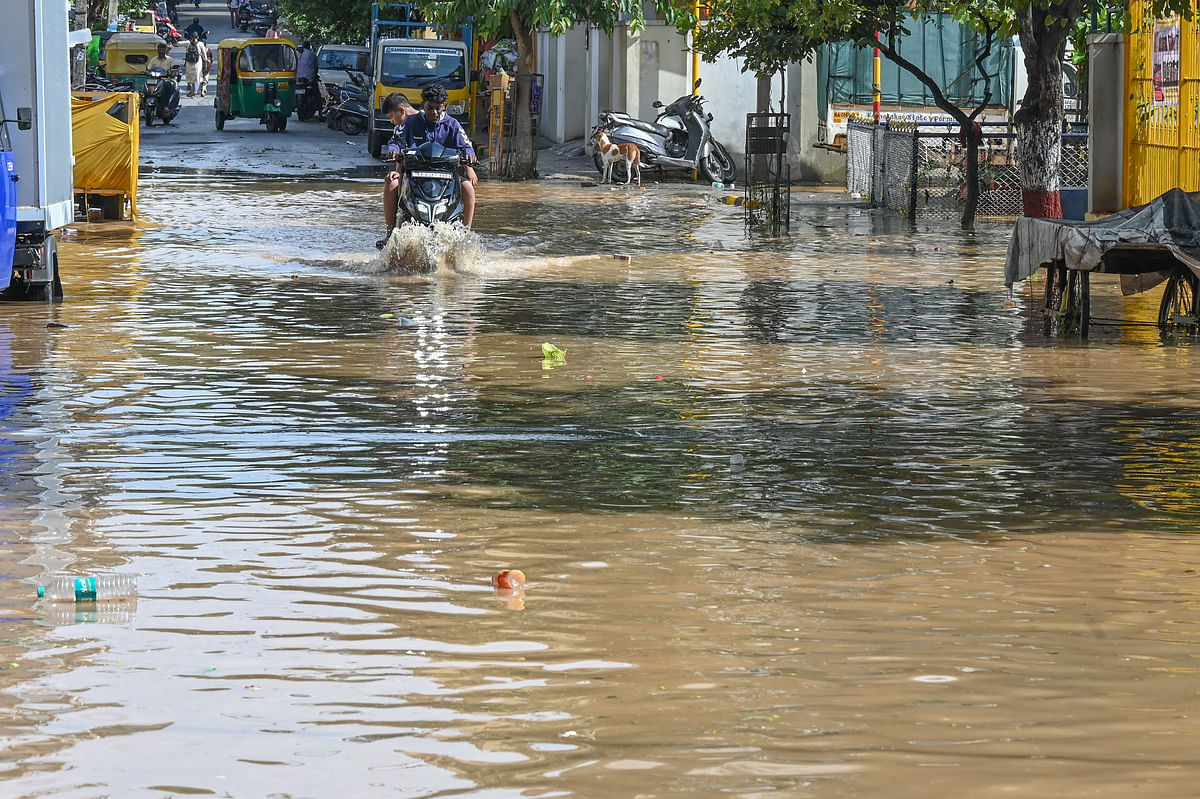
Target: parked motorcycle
160, 95
678, 137
256, 18
347, 109
430, 185
309, 102
96, 82
169, 32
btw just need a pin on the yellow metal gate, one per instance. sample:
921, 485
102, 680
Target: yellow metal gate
1162, 111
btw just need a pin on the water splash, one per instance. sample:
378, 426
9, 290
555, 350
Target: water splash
414, 249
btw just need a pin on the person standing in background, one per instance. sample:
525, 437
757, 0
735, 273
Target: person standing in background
191, 65
273, 31
234, 7
206, 61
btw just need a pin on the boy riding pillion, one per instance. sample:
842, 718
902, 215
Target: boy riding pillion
414, 128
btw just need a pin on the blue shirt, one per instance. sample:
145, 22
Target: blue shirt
447, 132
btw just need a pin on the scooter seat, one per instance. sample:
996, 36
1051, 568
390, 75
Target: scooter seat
649, 127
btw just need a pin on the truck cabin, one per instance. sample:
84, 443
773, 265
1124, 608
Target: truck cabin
409, 65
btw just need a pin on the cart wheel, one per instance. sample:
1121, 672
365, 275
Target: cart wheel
220, 117
1055, 277
1177, 312
1076, 305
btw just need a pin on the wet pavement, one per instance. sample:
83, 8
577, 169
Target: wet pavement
814, 516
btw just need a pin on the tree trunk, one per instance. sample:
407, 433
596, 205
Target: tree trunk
522, 164
966, 124
1039, 120
972, 205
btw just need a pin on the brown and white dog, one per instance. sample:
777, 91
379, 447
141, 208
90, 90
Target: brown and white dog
611, 154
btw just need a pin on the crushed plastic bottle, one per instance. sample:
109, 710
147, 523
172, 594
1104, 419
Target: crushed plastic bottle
68, 588
718, 185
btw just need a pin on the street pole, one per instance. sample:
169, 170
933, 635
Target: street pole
877, 86
695, 52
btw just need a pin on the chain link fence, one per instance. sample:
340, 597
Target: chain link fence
921, 171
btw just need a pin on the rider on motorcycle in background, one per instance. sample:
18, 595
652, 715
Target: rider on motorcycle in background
163, 59
413, 128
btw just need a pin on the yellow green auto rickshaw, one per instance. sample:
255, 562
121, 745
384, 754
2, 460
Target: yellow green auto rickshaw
256, 79
127, 54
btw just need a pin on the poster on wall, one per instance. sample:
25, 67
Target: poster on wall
1166, 61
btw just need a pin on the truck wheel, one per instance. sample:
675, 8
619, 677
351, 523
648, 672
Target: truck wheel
220, 117
374, 145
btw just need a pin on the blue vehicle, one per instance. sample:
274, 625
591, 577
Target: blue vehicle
8, 201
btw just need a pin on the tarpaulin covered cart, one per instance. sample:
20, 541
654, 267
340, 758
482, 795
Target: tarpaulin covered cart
1145, 245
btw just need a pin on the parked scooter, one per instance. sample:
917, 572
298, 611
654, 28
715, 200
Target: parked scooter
678, 137
165, 26
160, 95
347, 109
430, 185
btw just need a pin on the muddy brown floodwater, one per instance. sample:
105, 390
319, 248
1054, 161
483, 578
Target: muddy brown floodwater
819, 517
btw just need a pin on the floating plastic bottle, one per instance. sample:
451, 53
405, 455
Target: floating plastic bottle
67, 588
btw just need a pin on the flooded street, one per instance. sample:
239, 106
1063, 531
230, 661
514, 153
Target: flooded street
820, 517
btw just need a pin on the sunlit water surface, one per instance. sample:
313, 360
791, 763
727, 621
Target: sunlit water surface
815, 517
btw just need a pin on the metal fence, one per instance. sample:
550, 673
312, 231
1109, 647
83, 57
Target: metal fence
921, 170
768, 176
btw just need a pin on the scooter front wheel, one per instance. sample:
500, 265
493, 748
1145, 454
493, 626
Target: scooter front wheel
718, 166
618, 171
351, 126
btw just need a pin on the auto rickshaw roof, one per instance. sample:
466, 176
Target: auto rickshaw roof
136, 39
239, 43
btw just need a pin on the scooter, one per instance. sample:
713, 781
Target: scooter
169, 32
430, 185
160, 95
678, 137
347, 110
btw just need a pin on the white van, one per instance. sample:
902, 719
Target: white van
336, 61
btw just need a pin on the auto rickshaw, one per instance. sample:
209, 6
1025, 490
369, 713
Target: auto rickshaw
127, 54
256, 79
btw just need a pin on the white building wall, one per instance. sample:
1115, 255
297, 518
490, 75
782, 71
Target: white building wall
563, 60
637, 69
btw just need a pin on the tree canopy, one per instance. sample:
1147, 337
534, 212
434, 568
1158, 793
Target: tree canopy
523, 18
344, 21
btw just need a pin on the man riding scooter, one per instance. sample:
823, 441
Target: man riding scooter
430, 124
